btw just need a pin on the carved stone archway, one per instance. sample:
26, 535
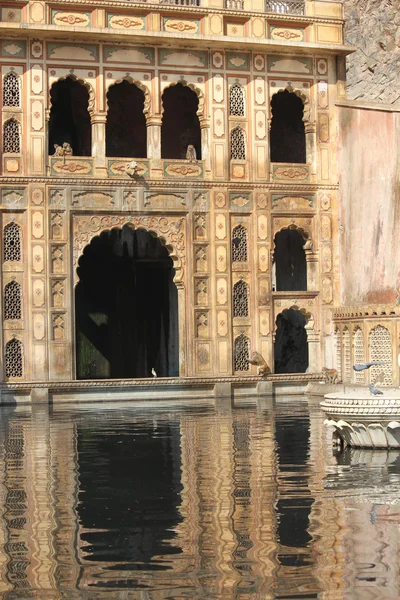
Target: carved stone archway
172, 233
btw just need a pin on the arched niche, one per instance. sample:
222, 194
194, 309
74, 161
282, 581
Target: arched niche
291, 352
126, 307
287, 132
71, 108
126, 131
170, 231
289, 259
182, 110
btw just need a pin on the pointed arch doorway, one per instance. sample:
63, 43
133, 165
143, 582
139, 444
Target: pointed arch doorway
126, 307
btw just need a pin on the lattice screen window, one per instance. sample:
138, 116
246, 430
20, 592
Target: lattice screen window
12, 242
239, 244
236, 101
12, 301
241, 353
338, 344
359, 354
14, 358
346, 356
238, 144
11, 137
240, 299
380, 348
11, 91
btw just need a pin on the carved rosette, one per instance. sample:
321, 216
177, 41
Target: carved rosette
170, 230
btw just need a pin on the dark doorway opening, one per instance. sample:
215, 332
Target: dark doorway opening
291, 345
180, 123
126, 132
290, 261
126, 307
69, 117
287, 137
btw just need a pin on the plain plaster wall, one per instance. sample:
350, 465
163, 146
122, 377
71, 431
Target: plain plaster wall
369, 192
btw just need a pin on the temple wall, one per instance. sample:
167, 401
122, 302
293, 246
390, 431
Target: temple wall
369, 154
61, 203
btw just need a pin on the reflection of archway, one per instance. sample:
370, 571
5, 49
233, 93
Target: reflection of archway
126, 307
291, 345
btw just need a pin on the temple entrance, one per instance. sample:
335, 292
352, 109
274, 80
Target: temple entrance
290, 261
126, 307
291, 345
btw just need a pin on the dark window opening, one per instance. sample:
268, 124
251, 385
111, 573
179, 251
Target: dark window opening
291, 345
126, 131
180, 123
290, 261
69, 117
287, 137
126, 308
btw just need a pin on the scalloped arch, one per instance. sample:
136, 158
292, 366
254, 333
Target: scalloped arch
140, 85
194, 88
83, 82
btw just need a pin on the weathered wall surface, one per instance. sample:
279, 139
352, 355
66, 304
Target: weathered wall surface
373, 72
370, 205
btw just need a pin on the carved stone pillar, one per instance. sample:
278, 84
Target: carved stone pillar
154, 140
311, 146
312, 270
98, 121
205, 142
313, 351
182, 328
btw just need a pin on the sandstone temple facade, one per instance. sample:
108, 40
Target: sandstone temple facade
176, 192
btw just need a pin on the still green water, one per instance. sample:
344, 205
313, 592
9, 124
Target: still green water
155, 501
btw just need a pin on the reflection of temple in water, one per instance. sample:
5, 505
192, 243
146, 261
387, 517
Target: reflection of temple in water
245, 517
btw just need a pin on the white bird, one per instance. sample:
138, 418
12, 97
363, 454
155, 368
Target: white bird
153, 372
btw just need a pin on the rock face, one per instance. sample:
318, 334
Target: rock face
373, 71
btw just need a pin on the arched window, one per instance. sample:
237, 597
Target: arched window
11, 91
241, 299
287, 136
238, 144
11, 137
290, 261
346, 356
180, 123
69, 117
236, 101
12, 242
359, 354
12, 301
126, 131
380, 349
14, 359
241, 353
239, 244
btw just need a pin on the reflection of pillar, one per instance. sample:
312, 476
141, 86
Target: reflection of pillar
205, 142
98, 121
311, 265
311, 146
154, 140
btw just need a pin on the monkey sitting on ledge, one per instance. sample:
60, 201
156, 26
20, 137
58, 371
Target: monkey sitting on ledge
260, 362
330, 375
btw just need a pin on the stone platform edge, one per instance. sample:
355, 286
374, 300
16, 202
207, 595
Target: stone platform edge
179, 388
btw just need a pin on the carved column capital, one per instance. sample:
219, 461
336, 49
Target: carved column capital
98, 117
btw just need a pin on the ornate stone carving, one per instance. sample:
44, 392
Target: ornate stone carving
325, 201
326, 255
57, 292
201, 292
57, 260
201, 259
289, 203
220, 200
170, 230
183, 170
326, 228
58, 327
202, 325
38, 292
